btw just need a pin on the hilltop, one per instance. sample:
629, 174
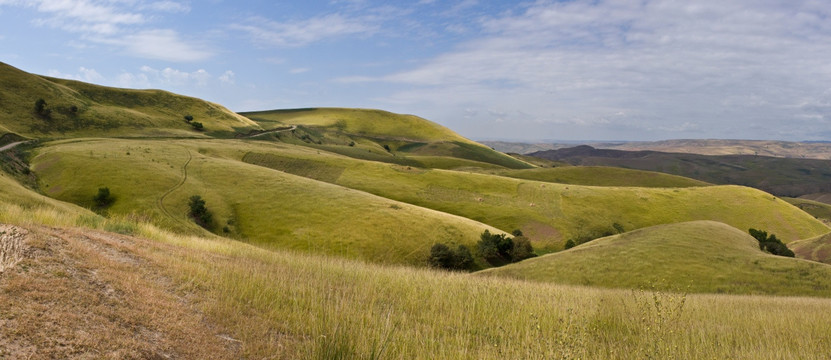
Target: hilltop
702, 256
73, 108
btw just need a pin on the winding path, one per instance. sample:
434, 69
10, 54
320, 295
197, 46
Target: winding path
175, 187
270, 131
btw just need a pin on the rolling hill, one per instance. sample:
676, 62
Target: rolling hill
779, 176
384, 136
601, 176
701, 256
74, 108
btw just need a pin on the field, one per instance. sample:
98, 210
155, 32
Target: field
290, 305
702, 256
319, 242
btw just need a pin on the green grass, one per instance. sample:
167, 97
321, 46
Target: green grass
702, 256
106, 111
550, 213
602, 176
334, 129
819, 210
258, 205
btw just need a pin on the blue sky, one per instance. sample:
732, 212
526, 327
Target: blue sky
566, 70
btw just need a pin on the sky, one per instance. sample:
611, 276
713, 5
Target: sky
489, 70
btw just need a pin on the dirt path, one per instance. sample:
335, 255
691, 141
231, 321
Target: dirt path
176, 187
79, 294
9, 146
270, 132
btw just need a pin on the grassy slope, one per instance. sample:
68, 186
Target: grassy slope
602, 176
701, 256
105, 111
371, 130
816, 249
286, 305
266, 207
551, 213
821, 197
819, 210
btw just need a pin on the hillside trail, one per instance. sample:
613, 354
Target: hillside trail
74, 293
270, 132
12, 145
176, 187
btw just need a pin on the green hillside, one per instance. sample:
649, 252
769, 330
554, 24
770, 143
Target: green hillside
819, 210
153, 180
382, 136
550, 214
73, 108
602, 176
702, 256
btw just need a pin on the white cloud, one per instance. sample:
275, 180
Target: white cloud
163, 44
298, 33
122, 23
669, 66
298, 70
84, 74
228, 77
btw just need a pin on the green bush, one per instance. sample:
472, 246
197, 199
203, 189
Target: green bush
442, 257
103, 198
770, 243
499, 249
199, 212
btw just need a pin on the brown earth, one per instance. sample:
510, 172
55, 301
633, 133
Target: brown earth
67, 294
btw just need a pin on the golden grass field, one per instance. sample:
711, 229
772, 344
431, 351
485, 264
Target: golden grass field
321, 232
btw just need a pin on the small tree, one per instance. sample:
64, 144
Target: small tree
516, 232
771, 243
441, 256
103, 198
522, 249
188, 118
197, 125
464, 259
40, 108
199, 212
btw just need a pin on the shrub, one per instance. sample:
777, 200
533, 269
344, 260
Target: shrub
197, 125
103, 198
771, 243
498, 249
387, 148
570, 244
41, 109
522, 249
199, 212
188, 118
516, 232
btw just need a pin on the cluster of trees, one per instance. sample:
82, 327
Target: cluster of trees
198, 212
443, 257
496, 249
770, 243
499, 249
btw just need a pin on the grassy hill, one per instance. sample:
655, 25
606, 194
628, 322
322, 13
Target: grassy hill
548, 213
197, 296
153, 180
382, 136
780, 176
821, 197
819, 210
816, 249
702, 256
79, 109
602, 176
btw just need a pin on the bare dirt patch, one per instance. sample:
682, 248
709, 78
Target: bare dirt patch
84, 294
11, 246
